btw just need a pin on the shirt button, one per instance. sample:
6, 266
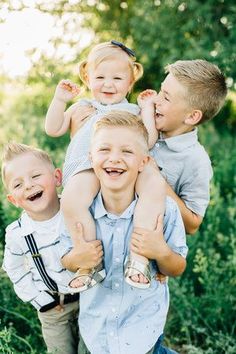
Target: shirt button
157, 145
118, 229
117, 285
117, 259
111, 334
113, 309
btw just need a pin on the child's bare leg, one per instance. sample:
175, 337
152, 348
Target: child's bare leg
150, 187
76, 199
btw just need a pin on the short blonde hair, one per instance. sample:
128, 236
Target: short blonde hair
13, 149
123, 119
205, 85
104, 51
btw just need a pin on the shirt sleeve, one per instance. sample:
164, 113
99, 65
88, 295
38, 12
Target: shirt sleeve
65, 245
195, 191
14, 263
174, 231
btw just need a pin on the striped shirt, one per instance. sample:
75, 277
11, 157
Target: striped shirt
19, 264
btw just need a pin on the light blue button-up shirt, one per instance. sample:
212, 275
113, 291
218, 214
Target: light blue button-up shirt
186, 166
116, 318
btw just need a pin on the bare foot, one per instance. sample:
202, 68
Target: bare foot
82, 278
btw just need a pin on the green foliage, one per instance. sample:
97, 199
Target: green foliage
201, 318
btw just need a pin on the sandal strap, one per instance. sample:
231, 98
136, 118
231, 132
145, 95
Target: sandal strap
134, 267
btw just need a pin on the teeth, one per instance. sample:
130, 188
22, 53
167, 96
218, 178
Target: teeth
114, 170
35, 195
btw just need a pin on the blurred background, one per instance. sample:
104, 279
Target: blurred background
42, 42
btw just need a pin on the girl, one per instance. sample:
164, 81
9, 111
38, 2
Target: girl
110, 72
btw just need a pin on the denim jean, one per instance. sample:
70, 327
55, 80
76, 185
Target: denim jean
160, 349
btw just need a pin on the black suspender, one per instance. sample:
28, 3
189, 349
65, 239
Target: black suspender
48, 281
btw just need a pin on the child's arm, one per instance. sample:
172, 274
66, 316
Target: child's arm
21, 277
86, 255
146, 102
57, 120
191, 220
152, 244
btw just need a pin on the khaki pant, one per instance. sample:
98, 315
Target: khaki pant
60, 329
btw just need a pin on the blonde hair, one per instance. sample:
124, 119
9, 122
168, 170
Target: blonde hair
123, 119
13, 149
105, 51
205, 85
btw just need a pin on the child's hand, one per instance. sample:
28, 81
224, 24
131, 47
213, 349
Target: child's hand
66, 90
79, 115
147, 98
148, 243
85, 254
59, 308
161, 278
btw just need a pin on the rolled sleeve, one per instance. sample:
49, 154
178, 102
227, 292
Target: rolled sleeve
174, 230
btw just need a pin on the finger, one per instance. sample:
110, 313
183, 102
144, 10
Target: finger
160, 222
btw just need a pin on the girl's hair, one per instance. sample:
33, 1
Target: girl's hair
105, 51
13, 149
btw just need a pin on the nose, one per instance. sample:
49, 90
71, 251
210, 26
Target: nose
115, 157
29, 183
107, 83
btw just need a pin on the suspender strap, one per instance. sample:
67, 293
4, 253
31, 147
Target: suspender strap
48, 281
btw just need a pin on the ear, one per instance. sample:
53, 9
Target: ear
11, 200
58, 176
144, 161
194, 117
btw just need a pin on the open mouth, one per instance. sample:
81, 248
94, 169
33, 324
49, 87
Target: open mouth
35, 196
114, 172
158, 114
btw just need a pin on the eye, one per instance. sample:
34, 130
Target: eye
99, 77
117, 78
17, 185
36, 176
166, 98
127, 151
104, 149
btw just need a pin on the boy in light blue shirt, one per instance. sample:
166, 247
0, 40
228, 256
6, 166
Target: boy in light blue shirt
115, 317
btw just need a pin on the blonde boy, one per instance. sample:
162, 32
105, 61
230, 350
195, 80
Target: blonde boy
192, 93
113, 311
31, 257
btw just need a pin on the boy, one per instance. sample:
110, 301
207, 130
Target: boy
193, 92
31, 257
120, 318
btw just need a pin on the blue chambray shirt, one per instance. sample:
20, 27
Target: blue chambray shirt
116, 318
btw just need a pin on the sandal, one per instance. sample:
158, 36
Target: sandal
95, 276
134, 267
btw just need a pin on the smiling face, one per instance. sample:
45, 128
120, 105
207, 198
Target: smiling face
110, 80
172, 109
32, 183
118, 154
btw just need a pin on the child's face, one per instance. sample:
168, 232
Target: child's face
32, 186
117, 156
172, 108
110, 81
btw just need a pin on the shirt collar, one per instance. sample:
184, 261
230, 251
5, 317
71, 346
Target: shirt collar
181, 142
26, 224
105, 107
100, 211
